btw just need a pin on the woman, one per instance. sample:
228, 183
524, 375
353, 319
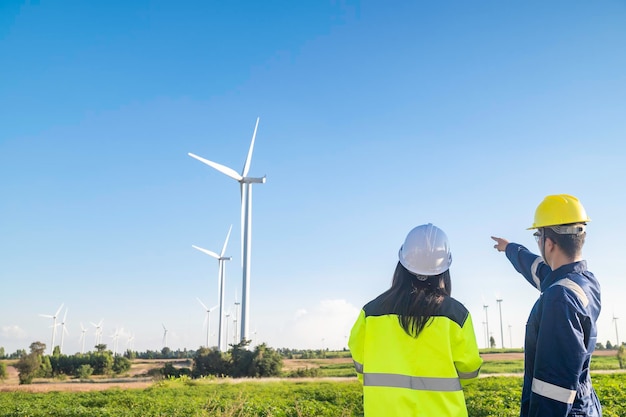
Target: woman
414, 346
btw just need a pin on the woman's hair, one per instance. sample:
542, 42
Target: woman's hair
415, 299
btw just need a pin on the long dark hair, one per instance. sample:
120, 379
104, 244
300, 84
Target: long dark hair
415, 300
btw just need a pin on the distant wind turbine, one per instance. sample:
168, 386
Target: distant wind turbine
246, 223
164, 335
98, 337
616, 334
129, 342
82, 337
207, 319
54, 325
237, 304
221, 282
63, 330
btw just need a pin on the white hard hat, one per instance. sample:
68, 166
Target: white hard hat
426, 251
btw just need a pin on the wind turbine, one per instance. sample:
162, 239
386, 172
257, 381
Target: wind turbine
246, 222
237, 304
488, 339
115, 336
98, 332
227, 316
499, 301
164, 335
82, 337
207, 319
221, 282
63, 330
54, 325
616, 335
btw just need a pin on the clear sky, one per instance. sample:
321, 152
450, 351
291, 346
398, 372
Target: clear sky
374, 117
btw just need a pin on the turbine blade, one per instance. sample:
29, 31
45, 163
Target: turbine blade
65, 315
214, 307
221, 168
246, 167
208, 252
47, 316
226, 241
59, 310
202, 304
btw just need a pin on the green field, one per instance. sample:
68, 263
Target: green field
488, 397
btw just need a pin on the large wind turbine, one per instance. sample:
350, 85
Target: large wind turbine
221, 283
207, 319
246, 223
54, 325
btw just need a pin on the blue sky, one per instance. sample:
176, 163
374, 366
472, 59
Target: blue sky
374, 117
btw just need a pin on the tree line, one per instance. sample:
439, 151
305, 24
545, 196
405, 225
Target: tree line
38, 365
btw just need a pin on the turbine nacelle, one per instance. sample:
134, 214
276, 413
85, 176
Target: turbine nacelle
250, 180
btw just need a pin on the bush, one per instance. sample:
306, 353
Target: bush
84, 371
120, 364
210, 362
3, 371
28, 367
621, 356
170, 371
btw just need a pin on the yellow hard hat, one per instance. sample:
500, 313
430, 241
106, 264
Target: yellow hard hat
559, 209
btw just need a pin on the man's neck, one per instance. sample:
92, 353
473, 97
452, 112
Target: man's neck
559, 259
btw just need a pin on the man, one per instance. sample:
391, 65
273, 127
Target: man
561, 330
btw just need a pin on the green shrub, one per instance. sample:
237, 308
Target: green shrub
84, 371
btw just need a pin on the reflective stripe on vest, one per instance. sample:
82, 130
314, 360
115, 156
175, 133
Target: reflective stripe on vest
468, 375
411, 382
358, 366
568, 283
553, 392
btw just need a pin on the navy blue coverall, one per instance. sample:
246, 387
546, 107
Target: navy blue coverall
561, 336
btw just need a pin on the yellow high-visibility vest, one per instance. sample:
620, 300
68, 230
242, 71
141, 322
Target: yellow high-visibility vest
407, 376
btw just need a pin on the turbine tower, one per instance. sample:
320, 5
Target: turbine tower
221, 283
616, 335
246, 224
485, 306
82, 337
54, 325
499, 301
207, 319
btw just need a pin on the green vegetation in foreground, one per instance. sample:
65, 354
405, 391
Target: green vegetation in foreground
503, 367
488, 397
